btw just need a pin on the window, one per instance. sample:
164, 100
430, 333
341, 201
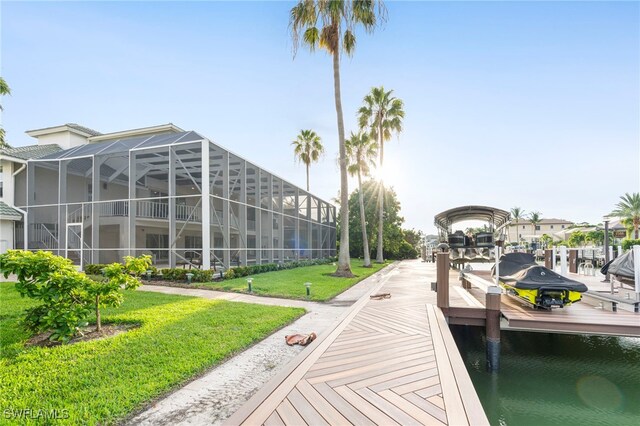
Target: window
523, 226
551, 226
537, 227
193, 241
562, 226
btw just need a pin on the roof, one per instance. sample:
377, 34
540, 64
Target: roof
162, 128
83, 129
124, 145
30, 151
492, 215
71, 127
7, 211
544, 222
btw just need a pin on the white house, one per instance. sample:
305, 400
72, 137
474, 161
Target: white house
158, 190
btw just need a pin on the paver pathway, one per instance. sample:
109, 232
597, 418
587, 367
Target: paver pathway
220, 392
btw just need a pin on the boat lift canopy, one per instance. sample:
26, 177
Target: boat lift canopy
497, 218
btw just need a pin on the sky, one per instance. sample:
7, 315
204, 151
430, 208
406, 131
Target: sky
529, 104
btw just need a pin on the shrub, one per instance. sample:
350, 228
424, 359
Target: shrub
627, 243
66, 295
94, 268
229, 275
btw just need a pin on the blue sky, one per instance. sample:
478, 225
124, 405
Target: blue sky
530, 104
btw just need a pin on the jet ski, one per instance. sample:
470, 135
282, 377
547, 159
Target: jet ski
536, 285
622, 268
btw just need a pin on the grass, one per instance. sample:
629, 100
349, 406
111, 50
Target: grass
103, 381
289, 283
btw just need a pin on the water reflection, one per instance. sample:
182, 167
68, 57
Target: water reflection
556, 378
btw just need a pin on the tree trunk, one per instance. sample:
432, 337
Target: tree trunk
344, 266
365, 241
98, 322
307, 178
380, 254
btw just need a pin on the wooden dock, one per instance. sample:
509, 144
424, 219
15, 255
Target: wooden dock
387, 362
577, 318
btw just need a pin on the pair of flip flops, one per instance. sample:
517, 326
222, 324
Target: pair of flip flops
300, 339
380, 296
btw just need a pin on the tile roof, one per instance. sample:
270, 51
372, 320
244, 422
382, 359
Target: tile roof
542, 222
30, 151
83, 129
6, 210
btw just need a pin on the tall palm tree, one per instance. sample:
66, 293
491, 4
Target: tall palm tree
307, 149
535, 218
382, 114
4, 90
517, 213
361, 151
330, 24
628, 208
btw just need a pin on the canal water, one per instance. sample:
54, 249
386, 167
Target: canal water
555, 379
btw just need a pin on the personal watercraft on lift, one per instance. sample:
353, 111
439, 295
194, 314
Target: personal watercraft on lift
536, 285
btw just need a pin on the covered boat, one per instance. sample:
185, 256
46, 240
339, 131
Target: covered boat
622, 267
536, 285
472, 248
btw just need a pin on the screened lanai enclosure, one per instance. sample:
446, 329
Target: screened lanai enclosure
178, 197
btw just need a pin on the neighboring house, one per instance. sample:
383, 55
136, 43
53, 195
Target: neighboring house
12, 162
166, 192
524, 230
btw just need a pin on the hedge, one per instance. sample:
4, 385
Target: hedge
627, 244
203, 276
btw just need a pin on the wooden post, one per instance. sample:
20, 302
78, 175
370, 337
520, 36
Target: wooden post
493, 328
548, 255
442, 266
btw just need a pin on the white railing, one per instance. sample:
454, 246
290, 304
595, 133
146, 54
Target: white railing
42, 235
115, 208
190, 213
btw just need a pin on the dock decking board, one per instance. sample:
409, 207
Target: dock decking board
389, 361
579, 317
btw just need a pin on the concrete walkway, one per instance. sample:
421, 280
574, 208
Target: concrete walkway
220, 392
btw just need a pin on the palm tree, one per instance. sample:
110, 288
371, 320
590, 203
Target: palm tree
382, 114
535, 218
361, 151
4, 90
308, 149
330, 24
628, 208
517, 213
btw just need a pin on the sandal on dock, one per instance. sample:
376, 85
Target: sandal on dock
380, 296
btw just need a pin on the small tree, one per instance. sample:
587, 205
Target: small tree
577, 239
67, 296
108, 293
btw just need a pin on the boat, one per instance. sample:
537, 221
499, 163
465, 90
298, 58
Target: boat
622, 268
477, 248
535, 284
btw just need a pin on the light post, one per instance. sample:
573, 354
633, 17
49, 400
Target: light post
606, 251
249, 282
148, 273
308, 286
189, 277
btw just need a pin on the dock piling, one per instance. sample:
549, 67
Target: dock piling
442, 264
493, 328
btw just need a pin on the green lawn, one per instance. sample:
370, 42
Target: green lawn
290, 282
102, 381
